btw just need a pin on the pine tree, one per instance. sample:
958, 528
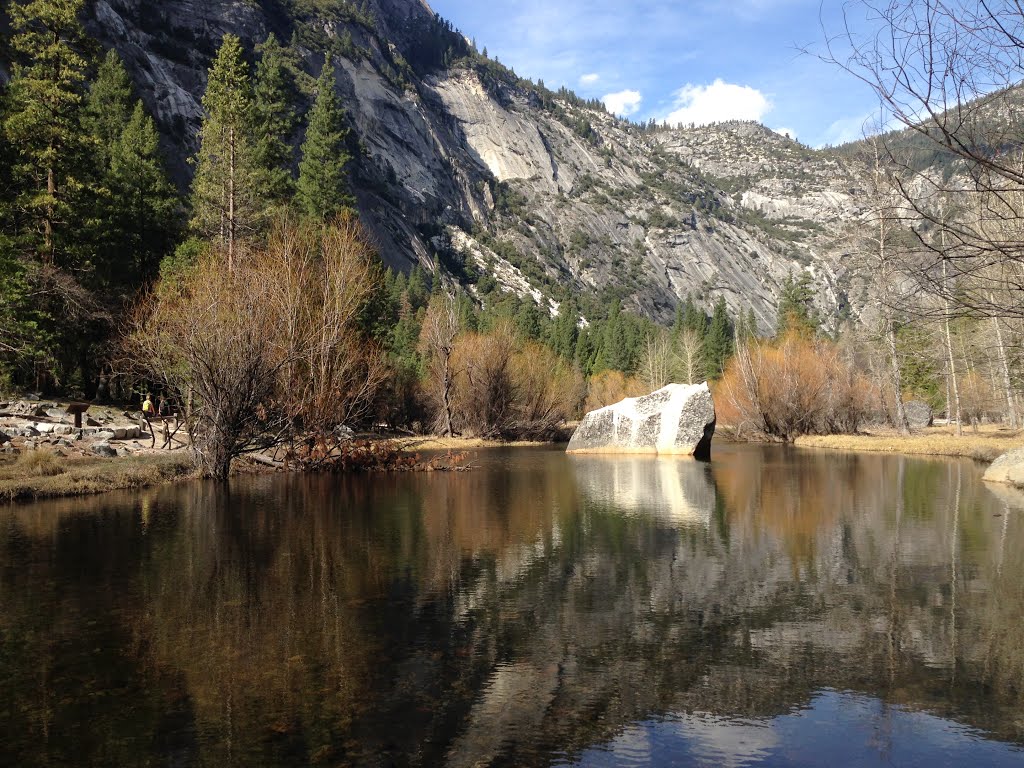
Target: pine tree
796, 309
43, 121
322, 190
585, 351
108, 107
528, 320
469, 320
718, 343
565, 330
223, 195
417, 290
275, 122
145, 220
614, 345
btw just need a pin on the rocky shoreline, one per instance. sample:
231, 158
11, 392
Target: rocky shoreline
107, 431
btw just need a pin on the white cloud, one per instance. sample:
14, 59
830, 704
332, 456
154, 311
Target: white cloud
786, 132
849, 129
624, 103
590, 79
719, 101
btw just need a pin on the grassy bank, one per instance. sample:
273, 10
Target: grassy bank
413, 444
986, 445
43, 475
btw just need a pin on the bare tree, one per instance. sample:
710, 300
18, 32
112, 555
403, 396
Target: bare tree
437, 342
877, 257
690, 354
947, 72
658, 363
205, 335
270, 351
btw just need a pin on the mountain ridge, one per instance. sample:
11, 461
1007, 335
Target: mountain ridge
461, 161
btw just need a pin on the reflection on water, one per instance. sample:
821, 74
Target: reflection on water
675, 490
774, 607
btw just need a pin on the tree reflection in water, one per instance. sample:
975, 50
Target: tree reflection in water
540, 609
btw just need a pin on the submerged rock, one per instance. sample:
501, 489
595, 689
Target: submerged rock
676, 420
1008, 469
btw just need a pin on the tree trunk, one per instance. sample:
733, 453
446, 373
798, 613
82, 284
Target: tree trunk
446, 396
949, 351
897, 385
231, 199
51, 192
1004, 365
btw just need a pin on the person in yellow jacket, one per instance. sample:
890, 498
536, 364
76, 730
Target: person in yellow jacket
147, 407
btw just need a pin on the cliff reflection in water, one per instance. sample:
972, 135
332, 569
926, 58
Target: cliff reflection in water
530, 611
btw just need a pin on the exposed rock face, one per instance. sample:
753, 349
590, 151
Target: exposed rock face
676, 420
919, 414
723, 211
1008, 469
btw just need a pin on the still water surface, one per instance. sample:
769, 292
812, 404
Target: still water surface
775, 607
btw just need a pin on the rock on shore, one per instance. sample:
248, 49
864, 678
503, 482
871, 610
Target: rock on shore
676, 420
31, 425
1008, 469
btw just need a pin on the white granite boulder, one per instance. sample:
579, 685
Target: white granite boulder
1008, 469
919, 414
676, 420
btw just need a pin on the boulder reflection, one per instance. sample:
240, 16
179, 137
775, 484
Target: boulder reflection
676, 489
515, 614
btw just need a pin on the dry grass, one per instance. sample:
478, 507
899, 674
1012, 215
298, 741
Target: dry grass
38, 464
53, 476
410, 444
986, 445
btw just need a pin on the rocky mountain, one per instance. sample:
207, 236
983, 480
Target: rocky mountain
464, 167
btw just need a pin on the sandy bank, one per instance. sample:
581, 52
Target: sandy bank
987, 444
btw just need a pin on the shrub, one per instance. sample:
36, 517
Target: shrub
507, 389
609, 387
797, 386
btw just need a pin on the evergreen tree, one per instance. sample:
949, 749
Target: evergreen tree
108, 107
718, 343
43, 119
694, 319
144, 221
796, 308
223, 198
565, 330
417, 289
469, 320
528, 320
585, 351
275, 123
613, 349
322, 190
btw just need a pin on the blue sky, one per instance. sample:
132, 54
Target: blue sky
680, 60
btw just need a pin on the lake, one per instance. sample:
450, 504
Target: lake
775, 607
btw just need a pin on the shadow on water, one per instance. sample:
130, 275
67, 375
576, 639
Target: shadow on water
772, 607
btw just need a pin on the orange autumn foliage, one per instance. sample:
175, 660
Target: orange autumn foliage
792, 387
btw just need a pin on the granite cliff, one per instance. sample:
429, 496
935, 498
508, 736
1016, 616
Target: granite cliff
463, 166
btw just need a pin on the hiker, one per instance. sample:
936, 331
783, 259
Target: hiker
147, 407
